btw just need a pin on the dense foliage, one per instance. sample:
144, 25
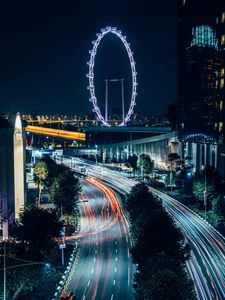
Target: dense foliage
37, 230
64, 192
159, 249
132, 162
64, 188
32, 257
145, 163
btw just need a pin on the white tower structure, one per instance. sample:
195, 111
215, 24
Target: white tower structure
12, 170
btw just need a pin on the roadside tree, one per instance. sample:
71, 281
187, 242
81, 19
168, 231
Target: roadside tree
38, 229
40, 176
64, 192
145, 164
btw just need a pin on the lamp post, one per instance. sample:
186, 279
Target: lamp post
96, 155
4, 266
62, 245
171, 177
142, 172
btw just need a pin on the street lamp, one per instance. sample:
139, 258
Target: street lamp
4, 285
142, 172
171, 177
96, 155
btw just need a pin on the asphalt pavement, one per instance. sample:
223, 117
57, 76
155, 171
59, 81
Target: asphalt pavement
105, 269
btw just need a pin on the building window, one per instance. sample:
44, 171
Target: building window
204, 36
223, 17
184, 2
222, 40
222, 83
220, 126
215, 126
221, 105
221, 72
221, 139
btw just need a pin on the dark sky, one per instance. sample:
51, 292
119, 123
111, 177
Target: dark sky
44, 52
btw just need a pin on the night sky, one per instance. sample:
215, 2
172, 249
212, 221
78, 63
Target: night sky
44, 52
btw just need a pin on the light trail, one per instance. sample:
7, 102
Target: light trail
101, 235
207, 263
70, 135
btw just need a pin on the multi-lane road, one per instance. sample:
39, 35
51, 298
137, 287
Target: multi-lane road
104, 270
207, 263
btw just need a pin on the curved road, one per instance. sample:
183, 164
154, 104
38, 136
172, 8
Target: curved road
207, 263
104, 270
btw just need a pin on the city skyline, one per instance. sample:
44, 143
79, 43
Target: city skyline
90, 208
45, 53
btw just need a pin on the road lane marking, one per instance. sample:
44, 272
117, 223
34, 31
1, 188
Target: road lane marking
114, 282
116, 250
92, 270
115, 270
94, 259
96, 251
128, 279
88, 283
116, 259
111, 297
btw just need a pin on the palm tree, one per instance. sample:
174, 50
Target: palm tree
40, 175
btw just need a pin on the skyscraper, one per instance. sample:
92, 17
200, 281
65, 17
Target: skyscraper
201, 57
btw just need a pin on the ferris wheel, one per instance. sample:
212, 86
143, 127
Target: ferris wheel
91, 74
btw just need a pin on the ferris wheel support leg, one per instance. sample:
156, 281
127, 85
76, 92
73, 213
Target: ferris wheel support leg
106, 99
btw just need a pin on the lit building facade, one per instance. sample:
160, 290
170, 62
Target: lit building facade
201, 97
12, 170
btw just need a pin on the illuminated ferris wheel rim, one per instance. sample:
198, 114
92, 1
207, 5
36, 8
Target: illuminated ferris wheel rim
90, 75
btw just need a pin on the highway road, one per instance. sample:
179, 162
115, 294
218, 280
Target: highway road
104, 270
207, 263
